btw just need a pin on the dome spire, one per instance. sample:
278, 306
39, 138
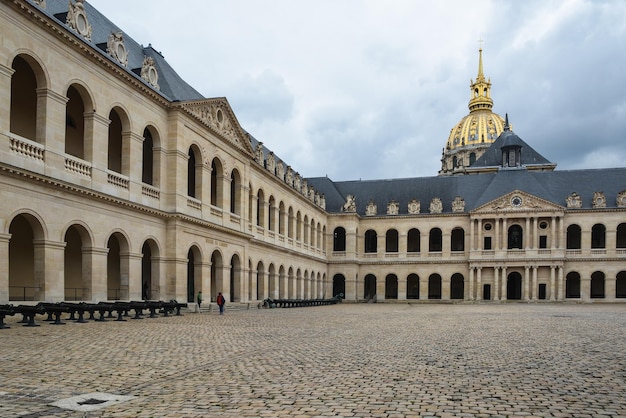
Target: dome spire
480, 98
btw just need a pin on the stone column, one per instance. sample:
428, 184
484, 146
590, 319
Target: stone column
471, 283
527, 282
496, 283
560, 283
552, 283
4, 265
531, 236
479, 284
472, 245
98, 285
52, 276
135, 162
5, 111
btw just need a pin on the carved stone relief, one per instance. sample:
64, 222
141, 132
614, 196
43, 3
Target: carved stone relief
77, 19
599, 200
289, 176
350, 205
280, 170
436, 206
414, 207
323, 202
149, 72
212, 115
393, 208
40, 3
311, 194
297, 182
371, 209
116, 48
258, 153
458, 204
305, 188
574, 201
620, 201
270, 163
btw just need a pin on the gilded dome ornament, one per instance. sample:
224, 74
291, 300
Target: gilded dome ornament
469, 138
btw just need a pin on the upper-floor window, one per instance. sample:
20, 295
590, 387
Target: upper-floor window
515, 237
621, 236
598, 236
413, 241
457, 242
435, 240
391, 241
371, 244
573, 237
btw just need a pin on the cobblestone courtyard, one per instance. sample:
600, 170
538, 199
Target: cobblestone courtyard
362, 360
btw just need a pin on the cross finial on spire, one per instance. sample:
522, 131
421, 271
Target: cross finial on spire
480, 42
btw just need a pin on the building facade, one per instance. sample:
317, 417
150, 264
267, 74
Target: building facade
120, 181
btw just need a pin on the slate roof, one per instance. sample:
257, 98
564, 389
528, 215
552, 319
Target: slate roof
172, 86
493, 155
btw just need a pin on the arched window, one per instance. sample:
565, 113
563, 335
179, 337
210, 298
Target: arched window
74, 124
115, 142
235, 192
597, 285
515, 237
598, 236
260, 208
435, 240
191, 173
434, 286
572, 285
147, 163
391, 241
621, 236
573, 237
457, 242
413, 241
472, 156
413, 286
391, 286
23, 100
371, 238
339, 239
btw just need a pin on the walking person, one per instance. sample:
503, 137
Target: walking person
221, 302
199, 300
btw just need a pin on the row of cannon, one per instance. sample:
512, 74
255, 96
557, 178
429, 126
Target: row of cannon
117, 310
300, 303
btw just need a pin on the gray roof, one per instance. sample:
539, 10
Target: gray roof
172, 86
476, 190
493, 155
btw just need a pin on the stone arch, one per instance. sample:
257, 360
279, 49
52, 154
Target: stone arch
369, 287
515, 237
194, 272
217, 275
434, 286
339, 239
291, 284
78, 131
572, 285
217, 182
573, 238
413, 241
119, 143
118, 266
391, 241
272, 282
413, 286
457, 239
260, 208
371, 241
261, 280
620, 237
26, 108
235, 192
435, 240
77, 263
514, 286
597, 285
151, 156
282, 285
620, 285
194, 172
391, 286
235, 279
150, 270
457, 286
598, 236
26, 257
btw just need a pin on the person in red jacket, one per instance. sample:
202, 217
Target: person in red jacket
220, 302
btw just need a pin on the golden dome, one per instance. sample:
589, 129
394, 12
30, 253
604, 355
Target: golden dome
470, 137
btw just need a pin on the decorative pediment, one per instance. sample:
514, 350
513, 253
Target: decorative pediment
217, 115
371, 209
77, 19
518, 201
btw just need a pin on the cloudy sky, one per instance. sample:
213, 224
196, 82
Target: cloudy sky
369, 89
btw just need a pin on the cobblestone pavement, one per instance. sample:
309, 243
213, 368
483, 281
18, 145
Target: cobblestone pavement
366, 360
